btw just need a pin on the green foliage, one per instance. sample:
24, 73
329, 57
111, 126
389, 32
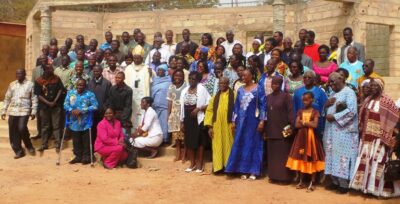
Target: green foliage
15, 11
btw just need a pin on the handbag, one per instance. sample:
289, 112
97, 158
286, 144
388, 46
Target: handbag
392, 169
131, 161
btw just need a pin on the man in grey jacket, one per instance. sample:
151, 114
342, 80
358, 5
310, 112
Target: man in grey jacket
348, 37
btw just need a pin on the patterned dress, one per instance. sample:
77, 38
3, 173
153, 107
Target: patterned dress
293, 85
341, 136
174, 123
209, 84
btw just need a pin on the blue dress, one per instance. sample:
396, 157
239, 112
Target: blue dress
159, 91
247, 151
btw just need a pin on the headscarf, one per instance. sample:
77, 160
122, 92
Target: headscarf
163, 67
204, 49
365, 82
258, 41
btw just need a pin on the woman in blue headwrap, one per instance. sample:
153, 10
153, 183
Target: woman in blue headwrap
159, 91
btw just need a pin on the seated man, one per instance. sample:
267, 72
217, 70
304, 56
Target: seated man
148, 136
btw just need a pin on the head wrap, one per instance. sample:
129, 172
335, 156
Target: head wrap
365, 82
163, 67
204, 49
258, 41
335, 76
138, 50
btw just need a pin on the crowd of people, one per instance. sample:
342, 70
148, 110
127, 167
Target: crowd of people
299, 111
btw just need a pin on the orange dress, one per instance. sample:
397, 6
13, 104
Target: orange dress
307, 154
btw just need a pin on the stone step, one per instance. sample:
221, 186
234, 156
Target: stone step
166, 162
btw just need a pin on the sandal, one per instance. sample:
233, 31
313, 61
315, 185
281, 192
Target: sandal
243, 177
252, 177
190, 169
300, 186
310, 188
199, 170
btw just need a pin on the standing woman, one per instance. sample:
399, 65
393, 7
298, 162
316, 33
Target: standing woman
341, 133
295, 78
249, 114
255, 66
219, 53
281, 67
334, 43
256, 48
324, 67
220, 40
174, 111
194, 100
378, 118
207, 79
206, 41
280, 115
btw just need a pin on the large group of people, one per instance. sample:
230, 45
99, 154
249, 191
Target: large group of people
298, 111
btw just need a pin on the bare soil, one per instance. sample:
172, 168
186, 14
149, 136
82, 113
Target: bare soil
36, 179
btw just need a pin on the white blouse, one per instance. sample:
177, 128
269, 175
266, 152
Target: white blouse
203, 97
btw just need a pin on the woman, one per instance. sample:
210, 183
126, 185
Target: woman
324, 67
206, 41
182, 64
280, 116
295, 78
220, 40
334, 43
239, 82
110, 141
255, 66
174, 111
247, 151
194, 100
341, 133
256, 48
159, 91
281, 67
378, 118
219, 52
148, 136
207, 79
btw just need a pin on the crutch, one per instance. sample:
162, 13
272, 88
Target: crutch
90, 123
62, 139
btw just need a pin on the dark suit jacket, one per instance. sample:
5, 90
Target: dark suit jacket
193, 47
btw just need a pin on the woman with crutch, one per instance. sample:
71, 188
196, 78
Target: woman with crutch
80, 104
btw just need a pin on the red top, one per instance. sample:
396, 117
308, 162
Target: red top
312, 51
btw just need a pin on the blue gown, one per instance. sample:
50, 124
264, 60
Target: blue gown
247, 151
159, 91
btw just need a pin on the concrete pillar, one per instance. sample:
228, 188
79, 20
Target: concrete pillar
45, 25
279, 15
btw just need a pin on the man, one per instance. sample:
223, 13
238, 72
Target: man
120, 100
112, 69
141, 46
101, 88
99, 56
38, 70
57, 60
305, 60
204, 58
185, 53
156, 61
311, 48
77, 74
20, 102
217, 119
353, 66
45, 51
368, 68
133, 42
231, 71
91, 64
348, 37
73, 53
229, 43
81, 40
53, 52
186, 38
116, 52
92, 48
68, 44
80, 103
278, 36
49, 88
157, 48
170, 46
302, 36
319, 99
287, 49
108, 36
80, 56
138, 79
266, 78
269, 45
63, 71
53, 41
125, 47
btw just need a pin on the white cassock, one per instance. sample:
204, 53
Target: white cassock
138, 78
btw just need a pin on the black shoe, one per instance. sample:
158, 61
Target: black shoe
341, 190
20, 155
75, 160
32, 151
85, 161
36, 137
57, 150
42, 148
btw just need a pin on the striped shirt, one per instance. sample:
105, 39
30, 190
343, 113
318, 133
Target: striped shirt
20, 99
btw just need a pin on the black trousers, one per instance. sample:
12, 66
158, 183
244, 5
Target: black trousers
18, 130
81, 144
50, 122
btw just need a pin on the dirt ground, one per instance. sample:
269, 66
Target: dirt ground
38, 180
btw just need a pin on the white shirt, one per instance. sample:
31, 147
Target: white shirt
229, 46
150, 122
202, 99
170, 48
164, 56
20, 99
267, 57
